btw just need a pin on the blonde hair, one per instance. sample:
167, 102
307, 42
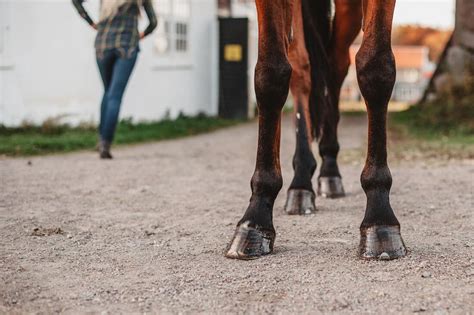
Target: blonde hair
109, 8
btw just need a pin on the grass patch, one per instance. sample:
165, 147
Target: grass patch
51, 137
441, 127
412, 139
451, 114
407, 122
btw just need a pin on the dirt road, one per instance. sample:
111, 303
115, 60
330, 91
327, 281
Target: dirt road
146, 233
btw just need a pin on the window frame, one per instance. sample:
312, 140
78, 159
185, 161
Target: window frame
173, 58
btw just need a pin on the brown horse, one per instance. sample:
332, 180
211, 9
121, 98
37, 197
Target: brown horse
303, 49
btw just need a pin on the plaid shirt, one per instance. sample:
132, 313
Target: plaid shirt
120, 31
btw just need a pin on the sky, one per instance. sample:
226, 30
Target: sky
435, 13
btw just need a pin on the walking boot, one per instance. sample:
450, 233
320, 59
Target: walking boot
104, 150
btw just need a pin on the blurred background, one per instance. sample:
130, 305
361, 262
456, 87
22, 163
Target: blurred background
201, 58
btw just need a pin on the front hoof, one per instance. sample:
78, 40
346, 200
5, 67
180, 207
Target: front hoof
250, 242
330, 187
382, 242
300, 201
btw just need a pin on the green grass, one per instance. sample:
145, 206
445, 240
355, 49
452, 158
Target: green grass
409, 122
450, 114
410, 135
51, 138
410, 139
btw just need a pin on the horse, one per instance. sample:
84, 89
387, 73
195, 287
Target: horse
303, 48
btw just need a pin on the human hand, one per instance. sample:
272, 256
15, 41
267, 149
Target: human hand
94, 26
142, 35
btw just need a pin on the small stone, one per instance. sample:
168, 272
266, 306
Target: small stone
426, 274
342, 302
423, 264
384, 256
149, 233
69, 236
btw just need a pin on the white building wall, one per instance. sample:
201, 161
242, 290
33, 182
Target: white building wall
48, 67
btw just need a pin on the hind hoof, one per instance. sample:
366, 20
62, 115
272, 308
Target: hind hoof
300, 201
250, 242
330, 187
382, 242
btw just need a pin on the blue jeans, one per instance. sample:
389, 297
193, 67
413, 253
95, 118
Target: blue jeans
115, 70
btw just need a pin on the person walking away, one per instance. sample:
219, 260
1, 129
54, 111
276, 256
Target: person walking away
117, 49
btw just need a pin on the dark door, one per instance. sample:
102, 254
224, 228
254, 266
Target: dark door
233, 65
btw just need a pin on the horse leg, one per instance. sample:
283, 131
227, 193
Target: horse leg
346, 26
300, 193
380, 229
255, 233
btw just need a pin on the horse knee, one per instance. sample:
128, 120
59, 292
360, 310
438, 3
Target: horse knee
272, 79
375, 74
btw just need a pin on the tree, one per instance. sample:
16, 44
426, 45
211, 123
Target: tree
416, 35
455, 69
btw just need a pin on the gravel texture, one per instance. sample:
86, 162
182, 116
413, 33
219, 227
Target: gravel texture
146, 232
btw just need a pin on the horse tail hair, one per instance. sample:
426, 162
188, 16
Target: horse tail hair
317, 32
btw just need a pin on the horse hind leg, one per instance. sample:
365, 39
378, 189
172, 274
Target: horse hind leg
346, 26
380, 229
301, 196
255, 234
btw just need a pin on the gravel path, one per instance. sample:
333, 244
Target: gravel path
146, 233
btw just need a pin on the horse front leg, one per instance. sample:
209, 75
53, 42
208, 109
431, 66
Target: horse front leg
346, 26
380, 229
255, 234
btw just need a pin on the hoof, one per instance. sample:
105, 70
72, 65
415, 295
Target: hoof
330, 187
382, 242
250, 242
300, 202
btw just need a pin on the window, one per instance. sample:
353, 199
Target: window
407, 92
172, 36
411, 75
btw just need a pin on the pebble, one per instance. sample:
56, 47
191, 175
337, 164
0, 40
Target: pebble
420, 309
384, 256
341, 302
423, 264
426, 274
